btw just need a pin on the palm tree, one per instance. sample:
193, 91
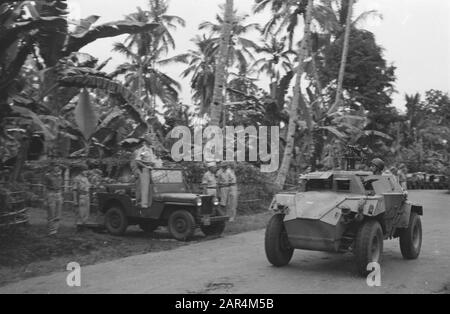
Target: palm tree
275, 62
143, 77
145, 51
158, 14
349, 8
331, 21
241, 49
201, 65
413, 106
160, 36
297, 102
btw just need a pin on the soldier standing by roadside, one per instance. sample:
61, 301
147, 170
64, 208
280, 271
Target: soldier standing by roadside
209, 181
53, 183
222, 181
402, 176
81, 189
394, 172
232, 191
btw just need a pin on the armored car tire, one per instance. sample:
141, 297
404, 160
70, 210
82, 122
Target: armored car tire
182, 225
149, 226
116, 221
411, 238
214, 229
368, 245
278, 250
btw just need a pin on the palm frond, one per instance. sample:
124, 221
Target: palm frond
76, 42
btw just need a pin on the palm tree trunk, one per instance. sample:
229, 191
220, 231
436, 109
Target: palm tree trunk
296, 102
348, 27
220, 77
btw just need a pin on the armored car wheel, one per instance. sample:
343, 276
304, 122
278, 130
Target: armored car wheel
214, 229
368, 245
411, 238
115, 221
278, 250
182, 225
148, 226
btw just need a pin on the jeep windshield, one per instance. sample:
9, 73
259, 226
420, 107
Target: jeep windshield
167, 176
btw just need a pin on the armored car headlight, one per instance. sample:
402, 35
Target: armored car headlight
215, 201
199, 201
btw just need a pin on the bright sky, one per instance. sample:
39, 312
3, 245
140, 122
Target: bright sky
414, 33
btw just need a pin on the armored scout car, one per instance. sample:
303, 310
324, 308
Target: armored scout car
171, 205
343, 211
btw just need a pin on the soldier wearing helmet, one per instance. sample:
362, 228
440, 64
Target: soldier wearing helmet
377, 166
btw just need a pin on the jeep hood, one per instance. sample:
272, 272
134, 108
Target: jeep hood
177, 197
310, 205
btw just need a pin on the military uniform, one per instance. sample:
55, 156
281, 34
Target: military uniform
232, 193
224, 188
146, 156
209, 182
402, 179
53, 183
82, 188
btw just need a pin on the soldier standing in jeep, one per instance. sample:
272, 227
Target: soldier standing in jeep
144, 157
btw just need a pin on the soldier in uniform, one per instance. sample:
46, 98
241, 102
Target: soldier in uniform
377, 166
144, 158
402, 178
232, 191
209, 181
222, 182
53, 183
81, 188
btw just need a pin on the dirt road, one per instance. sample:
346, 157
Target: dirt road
237, 264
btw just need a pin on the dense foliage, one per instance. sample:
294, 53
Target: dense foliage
56, 101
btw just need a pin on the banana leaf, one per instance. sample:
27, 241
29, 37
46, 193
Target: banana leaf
85, 115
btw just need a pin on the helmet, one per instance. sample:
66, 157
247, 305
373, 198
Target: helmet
377, 162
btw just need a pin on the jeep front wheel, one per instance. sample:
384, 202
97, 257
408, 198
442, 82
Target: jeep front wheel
278, 250
215, 229
411, 238
115, 221
368, 245
182, 225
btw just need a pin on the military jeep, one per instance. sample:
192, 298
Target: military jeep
342, 211
170, 204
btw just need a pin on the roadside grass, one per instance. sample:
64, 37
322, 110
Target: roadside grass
28, 251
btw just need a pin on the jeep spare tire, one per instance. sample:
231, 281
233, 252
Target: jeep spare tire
214, 229
368, 246
182, 225
278, 250
116, 221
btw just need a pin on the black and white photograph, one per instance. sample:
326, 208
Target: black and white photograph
222, 154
